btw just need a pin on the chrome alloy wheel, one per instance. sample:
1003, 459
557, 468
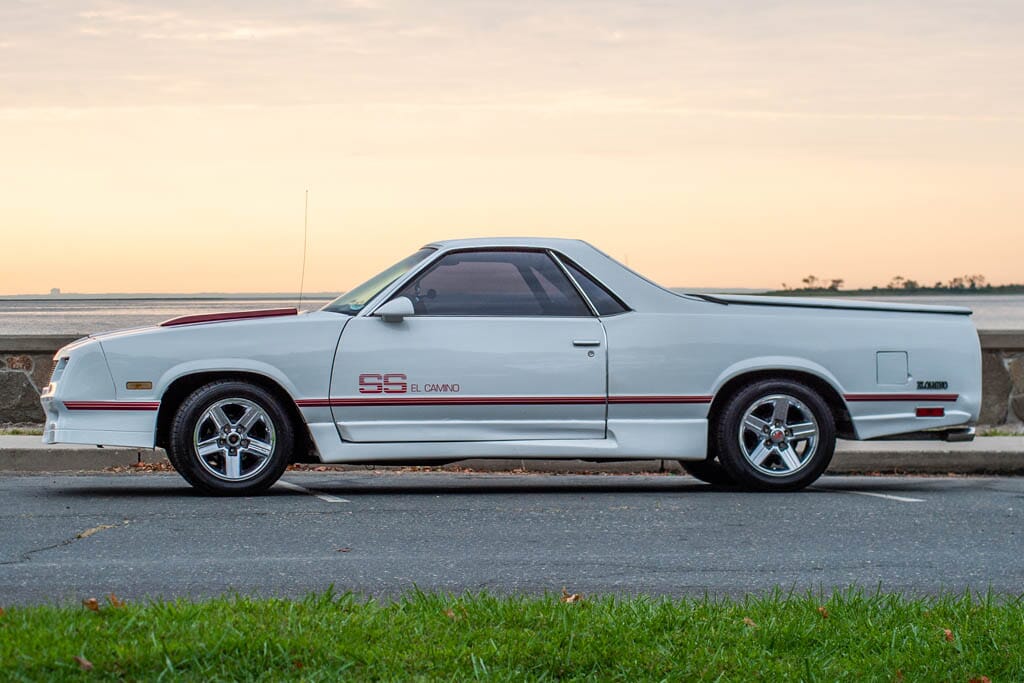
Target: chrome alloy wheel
234, 439
778, 435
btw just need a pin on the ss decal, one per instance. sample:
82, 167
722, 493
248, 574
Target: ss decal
383, 383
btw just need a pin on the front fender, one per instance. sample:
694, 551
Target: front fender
224, 366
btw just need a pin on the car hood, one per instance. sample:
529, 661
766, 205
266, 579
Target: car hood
250, 319
841, 304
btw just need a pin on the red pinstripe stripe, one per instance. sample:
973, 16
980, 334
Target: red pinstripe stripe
901, 397
313, 402
233, 315
494, 400
112, 405
573, 400
660, 399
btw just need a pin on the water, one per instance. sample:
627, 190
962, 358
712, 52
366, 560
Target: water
80, 317
86, 316
991, 312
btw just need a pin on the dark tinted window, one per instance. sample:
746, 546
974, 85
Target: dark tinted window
604, 301
526, 283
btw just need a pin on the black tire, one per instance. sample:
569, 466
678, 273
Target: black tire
249, 458
709, 471
773, 457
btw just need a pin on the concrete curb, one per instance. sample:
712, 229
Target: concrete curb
986, 455
74, 459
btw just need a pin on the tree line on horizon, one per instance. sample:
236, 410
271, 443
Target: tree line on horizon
900, 284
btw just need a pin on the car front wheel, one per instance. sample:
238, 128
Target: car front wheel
775, 435
231, 438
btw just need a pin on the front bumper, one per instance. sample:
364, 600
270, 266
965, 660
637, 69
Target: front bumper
82, 407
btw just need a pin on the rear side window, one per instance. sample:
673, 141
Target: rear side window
604, 301
495, 283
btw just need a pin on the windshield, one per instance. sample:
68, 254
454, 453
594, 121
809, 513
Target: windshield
353, 300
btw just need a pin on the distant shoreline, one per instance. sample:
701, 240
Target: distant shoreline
328, 296
316, 296
924, 291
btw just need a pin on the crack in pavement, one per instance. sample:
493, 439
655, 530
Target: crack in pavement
27, 555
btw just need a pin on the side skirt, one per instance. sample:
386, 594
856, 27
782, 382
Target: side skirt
627, 440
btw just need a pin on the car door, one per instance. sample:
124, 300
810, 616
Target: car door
501, 346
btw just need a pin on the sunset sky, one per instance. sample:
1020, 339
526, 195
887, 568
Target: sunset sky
165, 146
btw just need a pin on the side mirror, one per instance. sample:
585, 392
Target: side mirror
396, 310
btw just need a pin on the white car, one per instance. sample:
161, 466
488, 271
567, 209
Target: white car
522, 348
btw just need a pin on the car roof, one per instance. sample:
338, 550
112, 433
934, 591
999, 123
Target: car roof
529, 242
632, 288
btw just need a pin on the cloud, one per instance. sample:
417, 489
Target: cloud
169, 25
796, 58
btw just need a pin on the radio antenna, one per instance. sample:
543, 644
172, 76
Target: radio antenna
305, 240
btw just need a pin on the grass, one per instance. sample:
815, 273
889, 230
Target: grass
848, 636
995, 431
20, 431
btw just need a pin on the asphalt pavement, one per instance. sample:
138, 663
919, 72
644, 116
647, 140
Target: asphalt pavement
68, 537
996, 455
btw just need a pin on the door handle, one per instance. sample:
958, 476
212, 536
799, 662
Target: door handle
586, 342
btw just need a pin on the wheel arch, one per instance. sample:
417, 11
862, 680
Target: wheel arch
179, 389
828, 391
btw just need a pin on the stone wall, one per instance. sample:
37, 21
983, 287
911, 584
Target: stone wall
1002, 379
26, 361
25, 365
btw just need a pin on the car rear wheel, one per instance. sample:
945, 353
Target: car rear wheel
231, 438
775, 435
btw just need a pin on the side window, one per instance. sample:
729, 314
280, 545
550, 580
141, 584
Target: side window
604, 301
494, 283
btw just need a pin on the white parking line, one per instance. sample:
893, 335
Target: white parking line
902, 499
326, 497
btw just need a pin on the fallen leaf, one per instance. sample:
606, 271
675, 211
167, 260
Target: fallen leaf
899, 674
346, 549
83, 663
140, 467
114, 601
749, 622
570, 598
297, 664
95, 530
980, 679
450, 613
1, 611
91, 604
823, 612
948, 634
